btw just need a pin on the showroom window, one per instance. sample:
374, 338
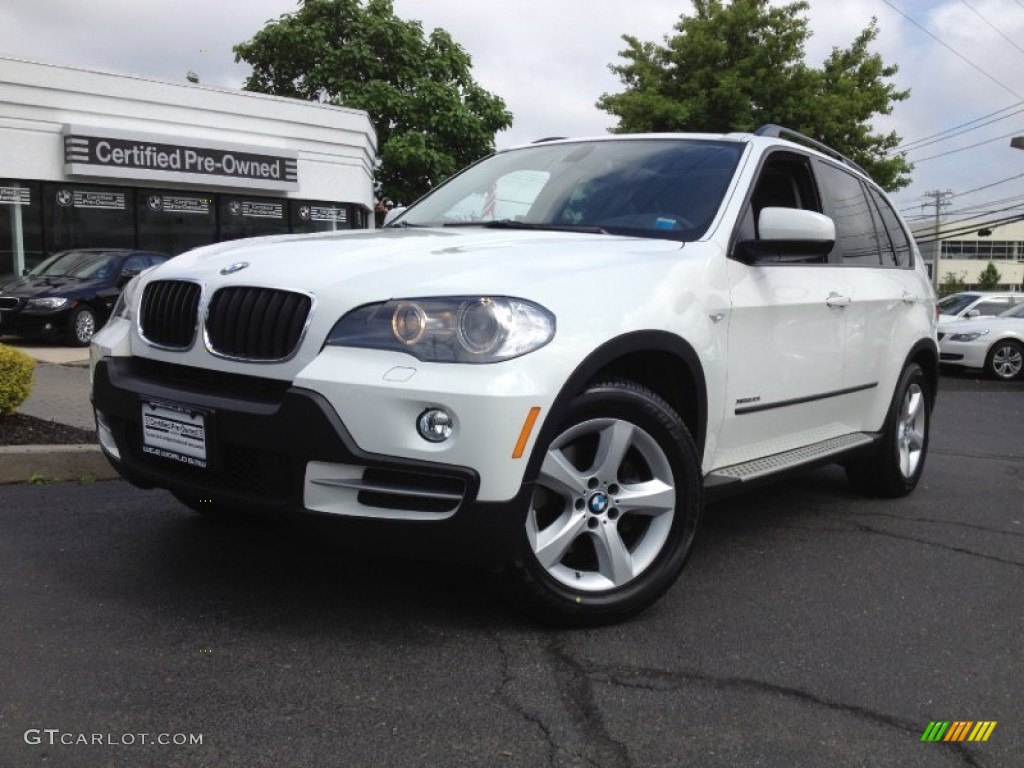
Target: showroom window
251, 216
173, 222
80, 216
21, 230
319, 216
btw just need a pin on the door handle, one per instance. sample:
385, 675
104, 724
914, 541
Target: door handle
909, 298
834, 301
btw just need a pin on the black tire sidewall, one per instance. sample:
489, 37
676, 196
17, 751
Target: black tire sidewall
891, 474
632, 403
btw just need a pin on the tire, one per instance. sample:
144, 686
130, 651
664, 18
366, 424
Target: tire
211, 508
894, 470
81, 326
614, 510
1005, 360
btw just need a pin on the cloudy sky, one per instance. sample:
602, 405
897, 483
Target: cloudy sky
963, 61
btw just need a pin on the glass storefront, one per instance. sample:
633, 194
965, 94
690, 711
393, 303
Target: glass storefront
39, 219
21, 231
174, 222
87, 216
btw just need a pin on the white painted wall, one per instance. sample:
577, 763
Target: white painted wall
336, 146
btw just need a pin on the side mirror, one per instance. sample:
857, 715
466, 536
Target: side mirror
973, 313
393, 214
788, 235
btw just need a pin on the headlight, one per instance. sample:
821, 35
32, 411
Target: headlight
968, 336
123, 306
50, 304
456, 329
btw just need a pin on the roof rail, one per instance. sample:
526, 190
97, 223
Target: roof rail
548, 138
780, 132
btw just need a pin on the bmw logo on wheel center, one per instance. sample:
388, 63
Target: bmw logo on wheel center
598, 503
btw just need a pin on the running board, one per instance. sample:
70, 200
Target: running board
780, 462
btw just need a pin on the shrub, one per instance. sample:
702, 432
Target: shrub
15, 378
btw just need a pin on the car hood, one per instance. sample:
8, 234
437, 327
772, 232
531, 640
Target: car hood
376, 266
32, 286
571, 274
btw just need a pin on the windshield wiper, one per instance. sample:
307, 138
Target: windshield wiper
510, 224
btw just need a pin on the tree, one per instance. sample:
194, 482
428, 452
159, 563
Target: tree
737, 66
431, 117
989, 278
952, 283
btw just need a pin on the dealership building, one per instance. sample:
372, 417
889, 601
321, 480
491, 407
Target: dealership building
967, 248
98, 159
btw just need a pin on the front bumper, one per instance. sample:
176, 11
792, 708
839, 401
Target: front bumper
278, 449
969, 354
21, 323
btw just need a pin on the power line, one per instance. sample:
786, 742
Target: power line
969, 191
969, 146
997, 29
950, 234
952, 50
953, 133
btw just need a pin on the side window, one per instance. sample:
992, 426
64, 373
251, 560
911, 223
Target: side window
901, 251
785, 181
847, 204
135, 263
991, 307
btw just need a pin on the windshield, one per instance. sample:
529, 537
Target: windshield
1017, 311
952, 305
664, 188
76, 264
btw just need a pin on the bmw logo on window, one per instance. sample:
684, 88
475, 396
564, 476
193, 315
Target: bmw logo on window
238, 266
154, 203
235, 207
64, 197
304, 212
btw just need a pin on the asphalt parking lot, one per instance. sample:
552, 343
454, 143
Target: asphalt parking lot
811, 627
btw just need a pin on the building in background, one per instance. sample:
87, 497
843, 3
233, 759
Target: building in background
98, 159
968, 248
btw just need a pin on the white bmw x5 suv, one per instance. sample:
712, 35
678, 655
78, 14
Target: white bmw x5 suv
544, 366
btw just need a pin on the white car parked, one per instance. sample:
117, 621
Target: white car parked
546, 365
968, 305
995, 344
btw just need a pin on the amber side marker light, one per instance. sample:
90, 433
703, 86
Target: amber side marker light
524, 435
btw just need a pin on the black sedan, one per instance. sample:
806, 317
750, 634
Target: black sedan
70, 295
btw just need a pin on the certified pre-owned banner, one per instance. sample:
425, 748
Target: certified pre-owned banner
93, 153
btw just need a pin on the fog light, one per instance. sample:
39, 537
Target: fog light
435, 425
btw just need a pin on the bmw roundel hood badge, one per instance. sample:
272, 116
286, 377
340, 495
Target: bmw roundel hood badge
238, 266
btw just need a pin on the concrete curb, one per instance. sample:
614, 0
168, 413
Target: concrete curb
19, 463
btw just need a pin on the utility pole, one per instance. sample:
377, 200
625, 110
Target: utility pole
939, 199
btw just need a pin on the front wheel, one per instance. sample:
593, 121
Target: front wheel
81, 326
1005, 360
614, 510
896, 467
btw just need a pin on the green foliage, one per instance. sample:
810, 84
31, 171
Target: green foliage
989, 278
431, 117
15, 378
737, 66
952, 283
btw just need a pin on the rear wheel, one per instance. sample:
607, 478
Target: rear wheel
1005, 360
896, 467
614, 510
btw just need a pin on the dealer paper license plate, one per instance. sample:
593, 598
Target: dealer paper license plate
174, 432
